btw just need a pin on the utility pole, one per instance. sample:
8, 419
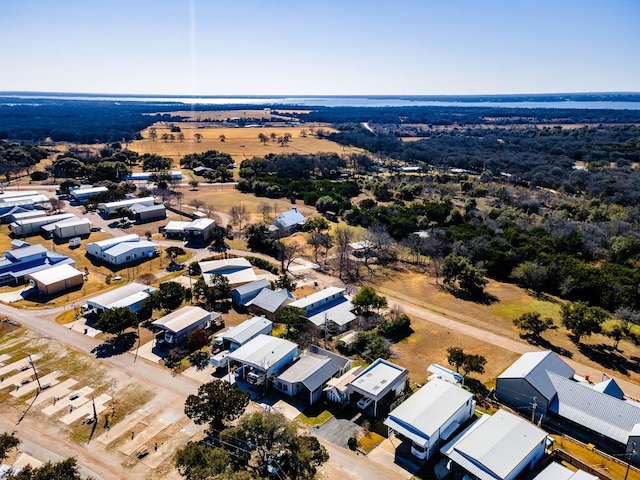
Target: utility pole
326, 322
36, 372
533, 412
632, 452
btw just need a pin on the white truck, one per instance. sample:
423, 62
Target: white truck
220, 360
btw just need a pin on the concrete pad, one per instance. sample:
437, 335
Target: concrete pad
145, 436
298, 264
4, 357
24, 459
146, 351
165, 449
11, 343
80, 326
61, 390
18, 364
385, 454
203, 375
289, 411
71, 405
50, 379
124, 426
86, 409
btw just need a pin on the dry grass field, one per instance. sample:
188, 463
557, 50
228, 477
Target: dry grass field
429, 342
240, 143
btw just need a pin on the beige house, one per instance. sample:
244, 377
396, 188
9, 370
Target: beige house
56, 279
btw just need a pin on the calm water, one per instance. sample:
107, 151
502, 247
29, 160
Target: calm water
333, 101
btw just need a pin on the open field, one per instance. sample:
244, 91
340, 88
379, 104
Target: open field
429, 342
240, 143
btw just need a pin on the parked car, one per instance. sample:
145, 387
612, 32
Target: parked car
364, 402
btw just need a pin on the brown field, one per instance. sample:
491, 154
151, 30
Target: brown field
429, 342
240, 143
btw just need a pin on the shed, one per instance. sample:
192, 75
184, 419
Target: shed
496, 447
148, 213
73, 227
235, 337
431, 415
56, 279
378, 380
242, 295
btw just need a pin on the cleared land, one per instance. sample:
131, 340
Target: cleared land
239, 142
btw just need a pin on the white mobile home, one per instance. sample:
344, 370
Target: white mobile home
237, 336
176, 326
431, 415
130, 296
263, 357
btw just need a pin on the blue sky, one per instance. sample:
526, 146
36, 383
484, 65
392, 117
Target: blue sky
332, 47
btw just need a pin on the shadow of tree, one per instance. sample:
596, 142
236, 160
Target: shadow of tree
606, 356
547, 345
482, 298
116, 345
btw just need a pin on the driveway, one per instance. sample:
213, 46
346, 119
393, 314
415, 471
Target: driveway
338, 429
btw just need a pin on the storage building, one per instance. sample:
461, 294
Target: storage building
82, 195
110, 207
31, 226
130, 296
56, 279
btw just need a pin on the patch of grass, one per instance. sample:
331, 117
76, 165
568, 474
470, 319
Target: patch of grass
516, 307
369, 441
313, 418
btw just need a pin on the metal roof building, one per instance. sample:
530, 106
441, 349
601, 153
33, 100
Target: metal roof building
242, 295
109, 207
329, 305
497, 447
56, 279
83, 194
265, 355
556, 471
236, 270
307, 376
431, 415
379, 379
289, 220
130, 296
268, 301
237, 336
527, 378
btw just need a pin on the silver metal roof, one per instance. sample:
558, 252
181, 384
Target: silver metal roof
181, 318
268, 300
126, 247
252, 286
427, 410
264, 351
378, 379
107, 242
55, 274
533, 366
312, 370
597, 411
246, 330
498, 446
556, 471
122, 296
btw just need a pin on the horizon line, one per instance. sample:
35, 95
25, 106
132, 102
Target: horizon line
276, 96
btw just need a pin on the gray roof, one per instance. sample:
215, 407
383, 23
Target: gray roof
556, 471
126, 247
137, 208
20, 253
426, 411
337, 311
312, 370
597, 411
107, 242
495, 446
247, 329
54, 274
342, 362
289, 218
610, 387
264, 351
200, 224
252, 286
268, 300
378, 378
122, 296
533, 366
181, 318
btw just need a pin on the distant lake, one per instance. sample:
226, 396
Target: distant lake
331, 101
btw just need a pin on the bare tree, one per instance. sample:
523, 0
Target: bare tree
196, 203
265, 209
344, 236
198, 137
222, 138
57, 205
153, 134
209, 208
288, 254
239, 214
